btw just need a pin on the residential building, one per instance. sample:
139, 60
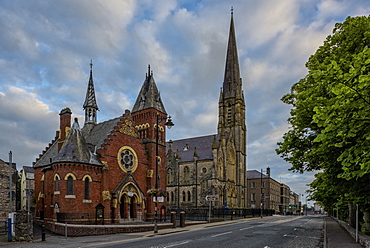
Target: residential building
27, 188
263, 191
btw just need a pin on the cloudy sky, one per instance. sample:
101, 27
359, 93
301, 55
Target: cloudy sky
46, 48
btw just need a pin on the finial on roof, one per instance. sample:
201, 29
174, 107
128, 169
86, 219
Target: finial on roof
148, 70
91, 64
232, 10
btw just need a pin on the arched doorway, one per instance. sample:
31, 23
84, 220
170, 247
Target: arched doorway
131, 203
123, 207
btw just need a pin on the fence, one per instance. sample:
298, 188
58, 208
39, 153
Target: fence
202, 214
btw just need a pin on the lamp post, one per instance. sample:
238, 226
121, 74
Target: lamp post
262, 193
168, 124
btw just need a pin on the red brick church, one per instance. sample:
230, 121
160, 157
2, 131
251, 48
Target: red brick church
101, 173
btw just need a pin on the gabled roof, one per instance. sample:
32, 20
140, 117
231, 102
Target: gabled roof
187, 147
149, 96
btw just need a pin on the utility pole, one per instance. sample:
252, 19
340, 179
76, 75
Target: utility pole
10, 183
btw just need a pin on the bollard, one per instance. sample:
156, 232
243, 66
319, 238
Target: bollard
173, 219
43, 232
10, 238
182, 219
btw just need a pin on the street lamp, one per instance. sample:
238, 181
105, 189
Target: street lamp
168, 124
261, 195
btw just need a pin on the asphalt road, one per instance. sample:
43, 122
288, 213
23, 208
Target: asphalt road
302, 231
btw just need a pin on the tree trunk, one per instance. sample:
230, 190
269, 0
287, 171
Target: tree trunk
367, 220
352, 214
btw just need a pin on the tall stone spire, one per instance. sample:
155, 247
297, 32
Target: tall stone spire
232, 86
149, 96
90, 106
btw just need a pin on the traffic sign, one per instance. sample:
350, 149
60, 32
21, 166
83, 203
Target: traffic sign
212, 198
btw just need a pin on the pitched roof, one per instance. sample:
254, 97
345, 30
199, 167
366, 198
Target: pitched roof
149, 96
186, 148
254, 174
99, 132
75, 149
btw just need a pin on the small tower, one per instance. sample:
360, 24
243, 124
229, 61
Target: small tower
90, 106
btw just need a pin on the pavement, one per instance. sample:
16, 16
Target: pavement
334, 234
338, 237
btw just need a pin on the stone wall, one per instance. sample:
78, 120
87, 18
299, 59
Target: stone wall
23, 229
4, 190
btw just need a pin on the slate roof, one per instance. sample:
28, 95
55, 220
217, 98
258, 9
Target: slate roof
28, 169
186, 148
99, 132
254, 174
75, 149
90, 100
149, 96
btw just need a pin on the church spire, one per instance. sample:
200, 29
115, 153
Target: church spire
90, 106
149, 96
232, 82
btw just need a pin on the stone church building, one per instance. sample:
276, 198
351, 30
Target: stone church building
101, 173
213, 164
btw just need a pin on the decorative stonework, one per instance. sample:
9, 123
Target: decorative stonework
149, 173
106, 195
127, 159
128, 128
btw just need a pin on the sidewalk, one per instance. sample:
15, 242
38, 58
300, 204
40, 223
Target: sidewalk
337, 237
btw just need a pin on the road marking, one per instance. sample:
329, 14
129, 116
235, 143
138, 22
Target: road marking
220, 234
185, 242
246, 228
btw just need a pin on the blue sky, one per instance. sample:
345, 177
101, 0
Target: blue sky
46, 48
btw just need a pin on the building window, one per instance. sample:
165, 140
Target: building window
57, 184
263, 184
183, 196
189, 196
253, 197
263, 197
170, 176
87, 188
253, 185
70, 185
186, 174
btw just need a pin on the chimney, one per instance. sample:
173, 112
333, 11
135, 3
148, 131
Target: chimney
65, 125
268, 171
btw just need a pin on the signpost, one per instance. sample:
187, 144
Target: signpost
210, 199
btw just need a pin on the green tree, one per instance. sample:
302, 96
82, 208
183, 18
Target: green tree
330, 117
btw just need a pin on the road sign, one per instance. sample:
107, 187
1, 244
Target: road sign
212, 198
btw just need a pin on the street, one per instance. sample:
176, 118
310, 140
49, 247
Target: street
289, 231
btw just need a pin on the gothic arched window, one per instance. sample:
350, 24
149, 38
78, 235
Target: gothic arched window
183, 196
189, 196
186, 174
87, 188
70, 185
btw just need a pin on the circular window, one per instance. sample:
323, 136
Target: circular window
127, 159
204, 170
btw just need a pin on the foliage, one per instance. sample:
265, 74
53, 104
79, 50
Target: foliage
156, 192
330, 118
